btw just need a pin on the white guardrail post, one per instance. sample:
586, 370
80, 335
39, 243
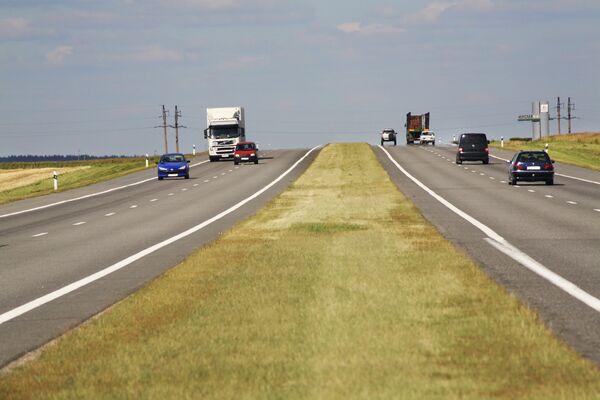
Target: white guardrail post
194, 150
55, 179
146, 160
501, 141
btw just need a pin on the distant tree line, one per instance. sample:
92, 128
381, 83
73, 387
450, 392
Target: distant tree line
57, 157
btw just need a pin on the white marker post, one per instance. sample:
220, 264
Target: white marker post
501, 141
55, 179
194, 150
146, 160
546, 148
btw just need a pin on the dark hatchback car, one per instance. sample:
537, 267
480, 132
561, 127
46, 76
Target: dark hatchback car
531, 166
172, 166
473, 147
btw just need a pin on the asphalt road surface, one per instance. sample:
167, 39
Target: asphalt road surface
556, 226
44, 250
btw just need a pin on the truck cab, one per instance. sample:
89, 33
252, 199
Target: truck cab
225, 129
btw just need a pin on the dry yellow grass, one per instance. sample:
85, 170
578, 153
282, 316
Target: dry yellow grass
15, 178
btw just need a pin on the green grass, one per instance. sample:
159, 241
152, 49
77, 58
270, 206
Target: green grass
581, 149
338, 289
99, 171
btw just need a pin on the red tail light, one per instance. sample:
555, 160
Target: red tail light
487, 150
519, 166
548, 167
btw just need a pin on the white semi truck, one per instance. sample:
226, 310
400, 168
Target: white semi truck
225, 128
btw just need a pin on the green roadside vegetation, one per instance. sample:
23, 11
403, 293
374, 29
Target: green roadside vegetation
84, 173
338, 289
580, 149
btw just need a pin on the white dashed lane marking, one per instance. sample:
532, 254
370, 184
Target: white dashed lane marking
79, 223
531, 190
597, 209
571, 202
153, 200
40, 234
206, 181
549, 196
109, 214
170, 194
183, 189
195, 184
133, 206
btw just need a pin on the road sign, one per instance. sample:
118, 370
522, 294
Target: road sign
529, 117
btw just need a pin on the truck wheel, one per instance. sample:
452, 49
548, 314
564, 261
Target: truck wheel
433, 143
394, 142
382, 142
256, 161
212, 159
235, 162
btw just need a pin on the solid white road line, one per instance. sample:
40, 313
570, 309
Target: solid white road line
564, 176
87, 196
40, 234
14, 313
79, 223
505, 247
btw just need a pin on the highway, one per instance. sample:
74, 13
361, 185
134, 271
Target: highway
126, 231
553, 232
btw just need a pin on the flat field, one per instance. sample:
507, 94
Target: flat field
581, 149
338, 289
23, 180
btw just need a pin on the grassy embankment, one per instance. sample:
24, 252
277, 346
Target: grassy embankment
72, 174
339, 288
581, 149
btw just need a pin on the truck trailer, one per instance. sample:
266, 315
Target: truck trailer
415, 125
225, 128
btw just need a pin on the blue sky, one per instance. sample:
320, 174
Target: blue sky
90, 77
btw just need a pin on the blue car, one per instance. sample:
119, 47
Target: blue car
173, 165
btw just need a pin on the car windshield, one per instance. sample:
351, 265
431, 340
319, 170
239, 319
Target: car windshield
172, 158
533, 157
245, 146
478, 138
224, 132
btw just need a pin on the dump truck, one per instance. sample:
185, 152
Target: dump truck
415, 126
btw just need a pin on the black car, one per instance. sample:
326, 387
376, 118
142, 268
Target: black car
531, 166
473, 147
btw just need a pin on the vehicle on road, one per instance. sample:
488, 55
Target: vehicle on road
473, 147
415, 126
388, 135
225, 128
245, 152
427, 137
531, 166
173, 165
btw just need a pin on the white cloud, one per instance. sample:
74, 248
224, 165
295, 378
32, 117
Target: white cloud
14, 27
156, 53
368, 29
434, 11
58, 55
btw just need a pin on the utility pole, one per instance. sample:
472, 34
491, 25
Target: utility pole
570, 107
558, 114
164, 126
177, 126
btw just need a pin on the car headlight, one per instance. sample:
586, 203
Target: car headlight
237, 155
252, 155
182, 167
162, 168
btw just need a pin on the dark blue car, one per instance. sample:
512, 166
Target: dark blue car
531, 166
173, 165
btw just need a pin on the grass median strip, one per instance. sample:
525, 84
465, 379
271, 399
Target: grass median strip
339, 288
